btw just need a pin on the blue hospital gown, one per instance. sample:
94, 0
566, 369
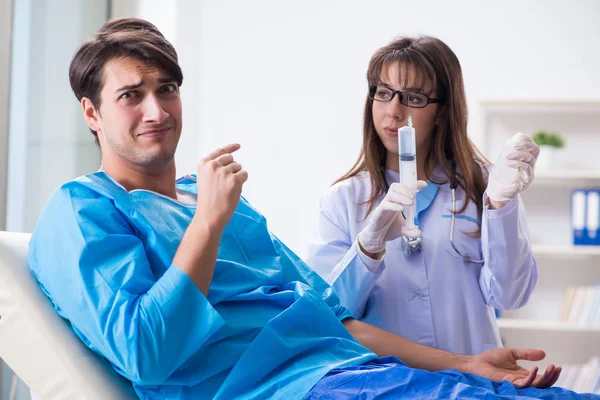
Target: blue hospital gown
269, 328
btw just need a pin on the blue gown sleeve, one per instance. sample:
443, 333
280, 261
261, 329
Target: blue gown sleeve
95, 270
510, 272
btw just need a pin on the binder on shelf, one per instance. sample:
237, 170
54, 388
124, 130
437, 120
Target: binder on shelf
578, 217
593, 217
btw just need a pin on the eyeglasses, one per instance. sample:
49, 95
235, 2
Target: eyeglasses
410, 98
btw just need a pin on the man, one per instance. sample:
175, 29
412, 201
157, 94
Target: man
179, 284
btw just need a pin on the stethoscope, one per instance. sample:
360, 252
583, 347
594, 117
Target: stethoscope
465, 257
412, 245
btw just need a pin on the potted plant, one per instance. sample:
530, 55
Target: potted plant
550, 143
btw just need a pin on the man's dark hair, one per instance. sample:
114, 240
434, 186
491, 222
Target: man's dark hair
126, 37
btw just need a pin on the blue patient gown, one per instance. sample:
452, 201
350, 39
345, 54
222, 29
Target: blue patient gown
269, 328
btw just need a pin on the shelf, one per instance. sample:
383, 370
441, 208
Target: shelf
525, 106
568, 250
533, 325
574, 174
544, 102
548, 205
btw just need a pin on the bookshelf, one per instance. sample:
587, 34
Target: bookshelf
561, 177
548, 206
568, 251
542, 326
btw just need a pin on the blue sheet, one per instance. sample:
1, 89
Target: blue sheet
389, 378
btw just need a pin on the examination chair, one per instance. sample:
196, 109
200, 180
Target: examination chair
38, 345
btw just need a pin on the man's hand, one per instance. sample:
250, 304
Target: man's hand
220, 180
501, 365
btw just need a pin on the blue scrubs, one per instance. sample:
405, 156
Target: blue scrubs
269, 329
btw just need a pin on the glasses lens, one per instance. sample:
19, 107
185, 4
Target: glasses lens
380, 93
414, 99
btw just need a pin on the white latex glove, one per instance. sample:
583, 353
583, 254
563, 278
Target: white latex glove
522, 159
386, 222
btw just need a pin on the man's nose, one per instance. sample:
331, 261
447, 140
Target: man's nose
154, 110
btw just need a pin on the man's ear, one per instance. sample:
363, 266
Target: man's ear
91, 115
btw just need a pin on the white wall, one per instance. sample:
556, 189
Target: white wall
6, 16
49, 142
287, 79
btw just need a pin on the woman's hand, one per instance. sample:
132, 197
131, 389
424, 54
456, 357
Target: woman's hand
522, 159
386, 222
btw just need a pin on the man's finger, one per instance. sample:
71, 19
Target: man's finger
555, 377
528, 354
224, 159
529, 379
241, 176
230, 148
234, 167
542, 381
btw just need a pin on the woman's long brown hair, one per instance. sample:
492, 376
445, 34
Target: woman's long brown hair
429, 60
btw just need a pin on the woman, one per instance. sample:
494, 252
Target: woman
443, 295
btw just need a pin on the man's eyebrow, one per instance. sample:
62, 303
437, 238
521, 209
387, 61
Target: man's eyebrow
167, 79
130, 87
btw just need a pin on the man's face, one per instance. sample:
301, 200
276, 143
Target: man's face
139, 119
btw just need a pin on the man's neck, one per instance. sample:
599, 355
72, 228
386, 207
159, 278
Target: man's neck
160, 180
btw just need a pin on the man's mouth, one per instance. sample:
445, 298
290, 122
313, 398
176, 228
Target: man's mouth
155, 132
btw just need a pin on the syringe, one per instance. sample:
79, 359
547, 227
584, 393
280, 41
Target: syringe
407, 151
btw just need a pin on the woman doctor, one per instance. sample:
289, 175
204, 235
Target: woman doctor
443, 295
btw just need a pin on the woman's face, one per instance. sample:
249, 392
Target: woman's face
389, 116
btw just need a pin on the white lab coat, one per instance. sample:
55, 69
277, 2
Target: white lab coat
433, 297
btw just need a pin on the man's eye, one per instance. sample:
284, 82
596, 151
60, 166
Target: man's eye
128, 95
168, 89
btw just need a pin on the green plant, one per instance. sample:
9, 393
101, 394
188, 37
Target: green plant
545, 138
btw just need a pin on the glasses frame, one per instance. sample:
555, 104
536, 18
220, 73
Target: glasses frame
373, 88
